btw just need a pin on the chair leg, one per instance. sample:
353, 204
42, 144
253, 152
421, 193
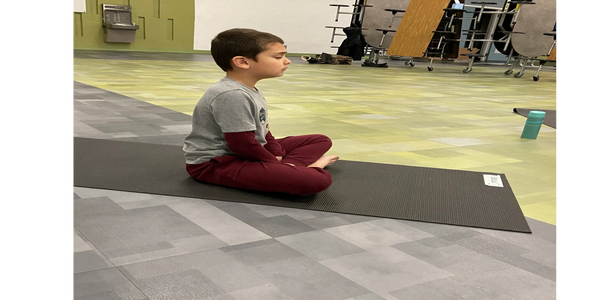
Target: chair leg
382, 38
536, 77
523, 63
539, 69
512, 67
470, 66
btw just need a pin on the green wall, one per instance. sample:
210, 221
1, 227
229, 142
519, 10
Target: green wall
165, 25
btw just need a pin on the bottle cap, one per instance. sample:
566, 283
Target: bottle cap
536, 116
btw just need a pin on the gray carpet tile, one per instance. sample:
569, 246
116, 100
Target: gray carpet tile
319, 245
385, 269
303, 278
89, 260
188, 284
103, 114
386, 258
279, 226
105, 284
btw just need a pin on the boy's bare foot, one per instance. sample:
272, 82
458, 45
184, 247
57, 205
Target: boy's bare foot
325, 161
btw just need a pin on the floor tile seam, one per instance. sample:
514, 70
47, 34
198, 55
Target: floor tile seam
146, 297
132, 282
109, 259
114, 266
503, 261
371, 248
95, 270
327, 267
344, 276
89, 242
499, 259
386, 293
199, 251
123, 266
186, 253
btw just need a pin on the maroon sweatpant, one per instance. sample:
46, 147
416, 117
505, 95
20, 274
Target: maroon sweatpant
235, 171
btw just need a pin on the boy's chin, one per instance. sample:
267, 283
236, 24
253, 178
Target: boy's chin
274, 75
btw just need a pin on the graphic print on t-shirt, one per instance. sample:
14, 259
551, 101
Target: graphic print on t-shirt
262, 117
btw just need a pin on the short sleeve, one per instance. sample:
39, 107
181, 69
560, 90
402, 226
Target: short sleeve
234, 111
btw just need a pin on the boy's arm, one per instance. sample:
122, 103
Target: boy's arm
245, 145
273, 146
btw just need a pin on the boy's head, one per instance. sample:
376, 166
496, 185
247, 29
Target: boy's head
243, 42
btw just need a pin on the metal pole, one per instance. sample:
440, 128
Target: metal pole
485, 46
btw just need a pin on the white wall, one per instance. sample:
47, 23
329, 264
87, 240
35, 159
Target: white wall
300, 23
79, 5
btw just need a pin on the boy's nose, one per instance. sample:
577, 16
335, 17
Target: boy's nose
288, 61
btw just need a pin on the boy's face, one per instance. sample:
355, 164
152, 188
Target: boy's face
271, 62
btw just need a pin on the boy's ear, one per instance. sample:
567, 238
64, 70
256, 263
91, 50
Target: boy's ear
240, 62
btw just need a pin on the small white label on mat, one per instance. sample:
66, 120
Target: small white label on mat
492, 180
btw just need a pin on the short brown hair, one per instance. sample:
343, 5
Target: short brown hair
239, 42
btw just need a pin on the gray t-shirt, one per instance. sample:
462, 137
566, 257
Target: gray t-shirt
227, 106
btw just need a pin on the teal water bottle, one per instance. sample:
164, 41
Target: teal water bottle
533, 124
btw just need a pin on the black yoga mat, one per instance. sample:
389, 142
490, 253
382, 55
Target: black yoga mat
549, 119
381, 190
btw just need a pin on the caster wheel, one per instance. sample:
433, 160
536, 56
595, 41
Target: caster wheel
467, 70
536, 78
412, 64
429, 69
519, 75
508, 72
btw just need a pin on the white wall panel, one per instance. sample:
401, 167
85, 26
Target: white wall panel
300, 23
79, 6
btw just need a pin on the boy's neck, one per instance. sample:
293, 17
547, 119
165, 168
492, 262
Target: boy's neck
245, 80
